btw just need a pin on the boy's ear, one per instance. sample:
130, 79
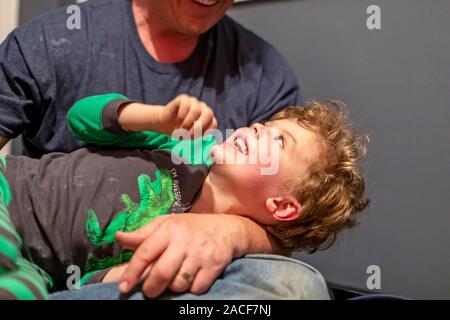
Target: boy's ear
284, 208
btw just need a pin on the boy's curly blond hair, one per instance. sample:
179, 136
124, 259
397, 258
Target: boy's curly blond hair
332, 192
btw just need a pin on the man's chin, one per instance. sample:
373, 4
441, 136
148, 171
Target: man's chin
194, 26
196, 30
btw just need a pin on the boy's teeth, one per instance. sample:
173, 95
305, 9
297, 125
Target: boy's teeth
207, 2
240, 144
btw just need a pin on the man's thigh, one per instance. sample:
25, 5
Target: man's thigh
252, 277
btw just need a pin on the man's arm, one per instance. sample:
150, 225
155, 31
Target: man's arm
20, 93
204, 243
259, 241
252, 239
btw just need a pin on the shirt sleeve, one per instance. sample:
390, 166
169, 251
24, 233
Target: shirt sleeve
94, 120
278, 87
19, 92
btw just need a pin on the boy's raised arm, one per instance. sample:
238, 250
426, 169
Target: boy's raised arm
112, 119
95, 120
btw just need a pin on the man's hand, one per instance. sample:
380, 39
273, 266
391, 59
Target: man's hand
183, 112
201, 245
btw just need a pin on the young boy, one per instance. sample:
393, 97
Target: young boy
65, 209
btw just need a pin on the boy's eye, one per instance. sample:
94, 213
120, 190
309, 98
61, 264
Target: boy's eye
280, 140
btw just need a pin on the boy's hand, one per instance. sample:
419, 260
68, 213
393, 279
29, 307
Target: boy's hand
115, 274
183, 112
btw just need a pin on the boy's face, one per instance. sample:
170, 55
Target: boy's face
257, 162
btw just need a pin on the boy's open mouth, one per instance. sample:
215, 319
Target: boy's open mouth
240, 143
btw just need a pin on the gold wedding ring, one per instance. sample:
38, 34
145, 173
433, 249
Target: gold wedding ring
186, 276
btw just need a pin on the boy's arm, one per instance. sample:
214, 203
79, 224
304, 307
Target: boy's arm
112, 119
95, 120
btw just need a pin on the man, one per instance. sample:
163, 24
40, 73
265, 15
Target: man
150, 51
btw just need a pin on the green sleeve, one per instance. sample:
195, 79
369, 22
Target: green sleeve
85, 122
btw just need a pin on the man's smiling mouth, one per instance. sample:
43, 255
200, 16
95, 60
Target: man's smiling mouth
208, 3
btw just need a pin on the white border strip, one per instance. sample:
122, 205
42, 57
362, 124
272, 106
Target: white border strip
9, 19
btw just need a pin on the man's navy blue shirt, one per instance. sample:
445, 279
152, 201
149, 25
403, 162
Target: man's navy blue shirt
45, 68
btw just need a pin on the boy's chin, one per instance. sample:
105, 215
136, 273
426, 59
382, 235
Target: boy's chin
220, 156
217, 154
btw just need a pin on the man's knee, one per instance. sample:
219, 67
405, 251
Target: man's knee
278, 276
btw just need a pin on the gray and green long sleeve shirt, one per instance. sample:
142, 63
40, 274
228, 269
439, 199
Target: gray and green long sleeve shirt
68, 207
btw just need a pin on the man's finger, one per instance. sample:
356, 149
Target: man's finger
145, 254
164, 271
204, 279
185, 275
131, 240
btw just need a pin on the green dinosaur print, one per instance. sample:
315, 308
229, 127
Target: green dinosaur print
156, 199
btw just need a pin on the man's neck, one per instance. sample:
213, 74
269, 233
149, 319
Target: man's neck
163, 42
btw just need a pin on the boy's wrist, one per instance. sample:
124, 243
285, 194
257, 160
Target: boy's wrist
137, 117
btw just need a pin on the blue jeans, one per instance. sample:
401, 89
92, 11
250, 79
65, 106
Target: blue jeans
257, 276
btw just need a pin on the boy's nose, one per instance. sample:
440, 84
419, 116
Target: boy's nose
257, 129
262, 131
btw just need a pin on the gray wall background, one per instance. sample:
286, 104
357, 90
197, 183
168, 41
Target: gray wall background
32, 8
396, 83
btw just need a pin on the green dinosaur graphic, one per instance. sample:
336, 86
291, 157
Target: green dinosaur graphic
156, 199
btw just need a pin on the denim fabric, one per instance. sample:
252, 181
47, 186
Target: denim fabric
257, 276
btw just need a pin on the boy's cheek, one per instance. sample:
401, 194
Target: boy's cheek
252, 176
